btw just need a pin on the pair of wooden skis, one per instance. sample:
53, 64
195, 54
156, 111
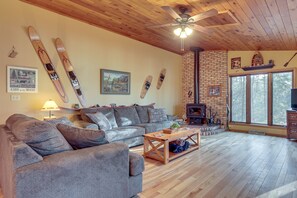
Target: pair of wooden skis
50, 68
148, 81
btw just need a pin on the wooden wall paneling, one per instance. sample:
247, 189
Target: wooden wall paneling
293, 14
264, 24
253, 18
285, 15
275, 39
279, 22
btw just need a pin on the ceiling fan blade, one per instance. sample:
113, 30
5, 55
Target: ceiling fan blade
201, 29
163, 25
203, 15
171, 12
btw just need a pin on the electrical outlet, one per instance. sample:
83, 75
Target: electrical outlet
15, 97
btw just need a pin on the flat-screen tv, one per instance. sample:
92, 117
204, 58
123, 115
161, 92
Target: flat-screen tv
294, 99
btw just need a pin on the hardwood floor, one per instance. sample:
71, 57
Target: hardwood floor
227, 165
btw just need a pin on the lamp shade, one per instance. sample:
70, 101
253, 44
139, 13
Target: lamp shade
188, 31
177, 31
50, 105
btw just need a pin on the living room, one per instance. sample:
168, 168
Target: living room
268, 33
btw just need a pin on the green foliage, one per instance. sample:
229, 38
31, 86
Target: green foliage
175, 126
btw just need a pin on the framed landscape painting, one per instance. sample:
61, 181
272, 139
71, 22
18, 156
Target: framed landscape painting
22, 79
114, 82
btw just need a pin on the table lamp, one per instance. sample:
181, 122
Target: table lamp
50, 106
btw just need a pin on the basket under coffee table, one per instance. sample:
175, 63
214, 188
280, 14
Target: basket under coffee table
160, 151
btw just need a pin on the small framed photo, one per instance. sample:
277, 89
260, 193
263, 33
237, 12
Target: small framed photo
214, 90
114, 82
22, 79
236, 63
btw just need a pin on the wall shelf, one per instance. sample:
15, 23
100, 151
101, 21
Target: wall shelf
248, 68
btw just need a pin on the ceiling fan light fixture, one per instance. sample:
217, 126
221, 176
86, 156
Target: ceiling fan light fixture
177, 31
183, 34
188, 31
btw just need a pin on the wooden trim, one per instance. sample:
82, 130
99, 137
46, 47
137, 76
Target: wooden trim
237, 22
248, 99
257, 125
230, 99
270, 92
270, 99
294, 80
263, 72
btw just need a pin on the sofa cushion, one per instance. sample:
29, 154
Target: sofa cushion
157, 115
107, 111
82, 138
41, 136
62, 120
136, 164
126, 116
125, 132
157, 126
100, 119
142, 112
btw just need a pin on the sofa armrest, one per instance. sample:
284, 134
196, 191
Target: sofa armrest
86, 125
136, 164
90, 172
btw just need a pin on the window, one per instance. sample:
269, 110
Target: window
281, 91
238, 92
261, 98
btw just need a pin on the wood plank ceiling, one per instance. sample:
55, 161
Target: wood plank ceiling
263, 24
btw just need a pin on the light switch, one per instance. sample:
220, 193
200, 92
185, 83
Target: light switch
15, 97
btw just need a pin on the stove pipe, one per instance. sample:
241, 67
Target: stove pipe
196, 51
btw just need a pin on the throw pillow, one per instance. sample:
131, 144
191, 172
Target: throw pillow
107, 111
126, 116
100, 119
157, 115
81, 138
143, 112
11, 120
62, 120
41, 136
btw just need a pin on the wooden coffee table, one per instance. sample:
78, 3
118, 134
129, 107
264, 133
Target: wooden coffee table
160, 151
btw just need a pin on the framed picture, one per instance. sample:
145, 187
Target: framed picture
236, 63
22, 79
114, 82
214, 90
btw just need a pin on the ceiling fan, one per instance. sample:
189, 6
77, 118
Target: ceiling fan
185, 22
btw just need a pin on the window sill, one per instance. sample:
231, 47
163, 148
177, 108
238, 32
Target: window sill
258, 125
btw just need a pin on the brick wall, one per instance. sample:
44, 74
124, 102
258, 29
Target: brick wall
188, 79
213, 71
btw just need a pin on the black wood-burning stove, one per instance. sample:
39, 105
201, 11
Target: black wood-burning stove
196, 113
